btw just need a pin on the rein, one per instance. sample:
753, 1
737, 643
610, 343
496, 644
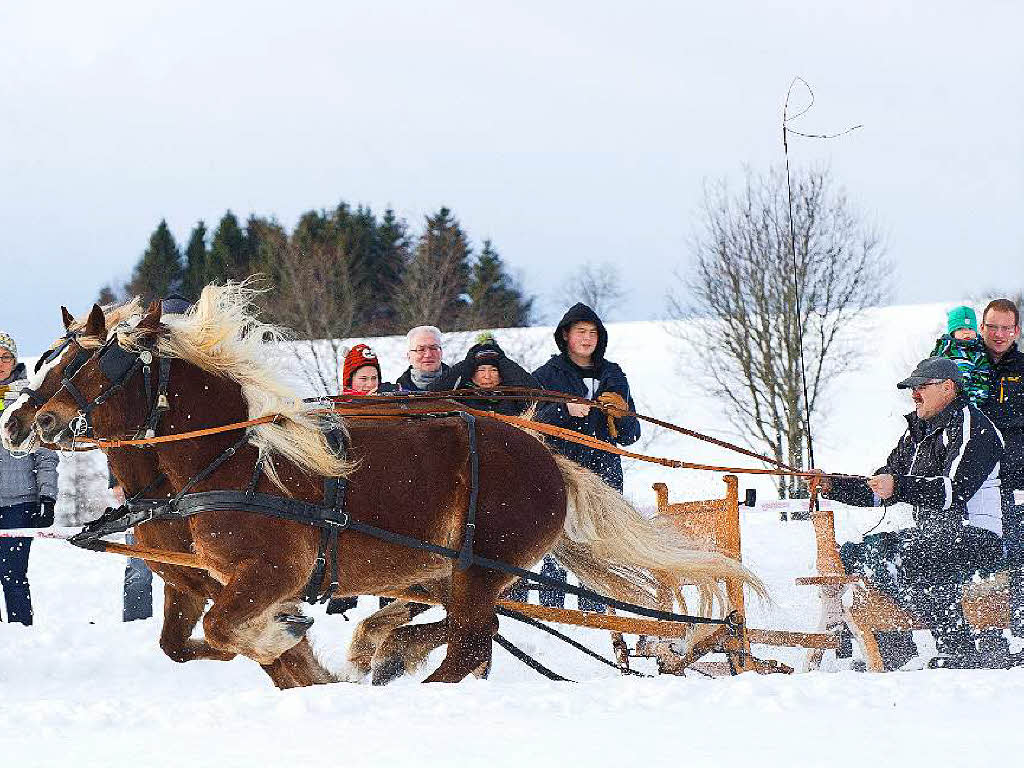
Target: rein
405, 405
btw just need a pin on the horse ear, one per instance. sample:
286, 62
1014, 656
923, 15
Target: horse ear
67, 318
96, 325
151, 320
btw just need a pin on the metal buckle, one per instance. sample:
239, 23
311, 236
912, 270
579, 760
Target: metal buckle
79, 425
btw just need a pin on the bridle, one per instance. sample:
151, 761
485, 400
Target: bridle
118, 366
54, 353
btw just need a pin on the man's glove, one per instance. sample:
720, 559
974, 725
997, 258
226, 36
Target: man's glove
615, 408
44, 517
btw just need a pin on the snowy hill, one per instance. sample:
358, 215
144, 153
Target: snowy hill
80, 688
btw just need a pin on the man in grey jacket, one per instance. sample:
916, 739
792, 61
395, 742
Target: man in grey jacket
28, 492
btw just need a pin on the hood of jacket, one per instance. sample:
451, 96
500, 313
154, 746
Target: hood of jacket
582, 313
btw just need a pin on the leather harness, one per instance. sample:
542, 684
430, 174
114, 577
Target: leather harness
118, 365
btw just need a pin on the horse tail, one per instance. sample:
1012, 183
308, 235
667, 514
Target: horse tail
614, 550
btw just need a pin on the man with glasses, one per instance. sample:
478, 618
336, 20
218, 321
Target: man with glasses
425, 366
28, 492
1000, 329
946, 465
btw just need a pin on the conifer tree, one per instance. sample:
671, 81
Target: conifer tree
195, 262
159, 270
106, 295
227, 259
495, 300
434, 283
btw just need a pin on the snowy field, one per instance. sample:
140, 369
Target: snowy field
80, 688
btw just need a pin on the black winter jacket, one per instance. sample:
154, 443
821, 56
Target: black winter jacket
946, 467
561, 375
1005, 407
460, 376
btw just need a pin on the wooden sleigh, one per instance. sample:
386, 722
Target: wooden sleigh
716, 524
985, 604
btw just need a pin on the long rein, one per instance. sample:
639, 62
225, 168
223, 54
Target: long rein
393, 407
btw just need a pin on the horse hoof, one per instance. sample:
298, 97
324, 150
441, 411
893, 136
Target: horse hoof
295, 624
389, 670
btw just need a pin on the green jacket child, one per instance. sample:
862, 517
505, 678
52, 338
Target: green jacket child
963, 346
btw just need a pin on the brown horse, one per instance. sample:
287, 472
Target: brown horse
186, 590
408, 477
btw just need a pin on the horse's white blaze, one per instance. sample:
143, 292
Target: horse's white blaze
34, 381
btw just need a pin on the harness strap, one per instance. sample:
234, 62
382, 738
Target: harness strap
33, 397
465, 558
160, 402
212, 467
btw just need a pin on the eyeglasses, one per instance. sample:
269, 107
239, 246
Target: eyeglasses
1000, 328
927, 384
6, 358
424, 350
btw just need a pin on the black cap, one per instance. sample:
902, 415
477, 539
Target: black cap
933, 369
174, 304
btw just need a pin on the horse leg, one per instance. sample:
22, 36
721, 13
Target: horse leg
471, 624
256, 613
298, 667
182, 611
374, 630
405, 649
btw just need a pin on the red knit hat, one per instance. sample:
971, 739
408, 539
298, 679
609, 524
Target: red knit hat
356, 358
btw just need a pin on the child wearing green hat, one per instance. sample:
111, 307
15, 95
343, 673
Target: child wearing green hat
963, 346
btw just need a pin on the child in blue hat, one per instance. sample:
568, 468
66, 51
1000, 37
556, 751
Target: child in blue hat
964, 346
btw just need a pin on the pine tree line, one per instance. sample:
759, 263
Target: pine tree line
340, 273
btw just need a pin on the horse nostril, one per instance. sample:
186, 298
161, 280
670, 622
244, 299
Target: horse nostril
47, 423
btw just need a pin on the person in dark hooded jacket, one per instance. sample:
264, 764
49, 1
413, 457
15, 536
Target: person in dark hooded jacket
485, 367
580, 369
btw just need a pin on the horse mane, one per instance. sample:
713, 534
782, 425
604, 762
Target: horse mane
222, 335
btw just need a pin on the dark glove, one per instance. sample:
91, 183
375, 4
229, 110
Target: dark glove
44, 517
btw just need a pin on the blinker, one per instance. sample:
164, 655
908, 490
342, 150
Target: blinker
115, 362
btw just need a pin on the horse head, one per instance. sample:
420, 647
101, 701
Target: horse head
105, 393
80, 340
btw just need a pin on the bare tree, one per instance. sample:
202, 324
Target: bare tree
746, 329
316, 299
599, 286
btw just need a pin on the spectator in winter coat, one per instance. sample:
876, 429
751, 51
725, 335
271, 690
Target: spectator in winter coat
963, 346
487, 367
28, 493
1000, 329
946, 465
425, 366
580, 369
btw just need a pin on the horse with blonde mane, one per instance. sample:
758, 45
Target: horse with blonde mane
409, 477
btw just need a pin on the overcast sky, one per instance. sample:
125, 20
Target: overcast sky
567, 132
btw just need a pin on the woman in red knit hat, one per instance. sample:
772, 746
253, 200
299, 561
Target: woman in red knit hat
360, 373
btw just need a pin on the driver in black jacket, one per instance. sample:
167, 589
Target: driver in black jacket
946, 465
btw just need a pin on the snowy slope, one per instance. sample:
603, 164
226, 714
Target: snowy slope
81, 689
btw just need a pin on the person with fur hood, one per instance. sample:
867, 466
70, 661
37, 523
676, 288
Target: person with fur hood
28, 493
486, 367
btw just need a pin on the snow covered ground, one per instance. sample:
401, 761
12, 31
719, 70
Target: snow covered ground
80, 688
